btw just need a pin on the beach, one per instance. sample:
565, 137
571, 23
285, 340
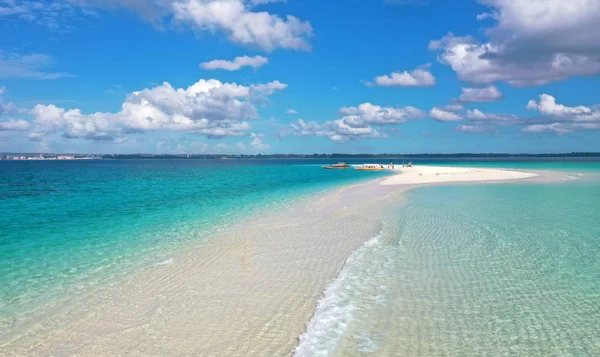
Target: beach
419, 175
250, 291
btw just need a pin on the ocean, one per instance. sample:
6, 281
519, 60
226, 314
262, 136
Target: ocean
494, 269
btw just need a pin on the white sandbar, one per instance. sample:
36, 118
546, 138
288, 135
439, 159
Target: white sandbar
439, 174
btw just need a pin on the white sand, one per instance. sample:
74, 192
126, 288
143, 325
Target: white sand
440, 174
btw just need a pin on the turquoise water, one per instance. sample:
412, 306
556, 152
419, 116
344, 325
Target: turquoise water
473, 270
68, 227
456, 270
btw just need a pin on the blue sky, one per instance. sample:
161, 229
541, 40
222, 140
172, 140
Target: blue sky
264, 76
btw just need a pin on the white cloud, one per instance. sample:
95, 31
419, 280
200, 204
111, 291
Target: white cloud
554, 118
443, 115
453, 107
72, 123
533, 43
268, 88
8, 107
564, 119
49, 14
31, 66
370, 114
262, 2
302, 127
14, 125
236, 19
336, 130
258, 145
242, 25
486, 94
557, 128
503, 119
236, 64
420, 77
483, 16
208, 107
547, 106
357, 123
291, 112
476, 114
476, 129
564, 24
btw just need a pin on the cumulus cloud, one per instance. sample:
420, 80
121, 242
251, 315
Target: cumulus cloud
236, 19
420, 77
532, 43
31, 66
71, 124
552, 118
493, 119
370, 114
14, 125
236, 64
258, 145
291, 112
208, 107
362, 122
557, 128
476, 114
486, 94
443, 115
563, 119
268, 88
547, 106
337, 130
242, 25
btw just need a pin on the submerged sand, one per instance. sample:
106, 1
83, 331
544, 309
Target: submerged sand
248, 292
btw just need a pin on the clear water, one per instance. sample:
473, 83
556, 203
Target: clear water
472, 270
465, 270
68, 227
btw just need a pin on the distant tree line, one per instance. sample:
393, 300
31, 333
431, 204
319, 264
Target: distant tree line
350, 156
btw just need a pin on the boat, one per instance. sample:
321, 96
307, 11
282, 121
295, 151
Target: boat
338, 166
370, 167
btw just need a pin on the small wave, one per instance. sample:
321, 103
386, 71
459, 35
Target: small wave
336, 309
166, 262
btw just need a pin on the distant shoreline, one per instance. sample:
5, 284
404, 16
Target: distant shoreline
334, 156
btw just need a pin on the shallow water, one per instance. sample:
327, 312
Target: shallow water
472, 270
67, 228
454, 270
245, 292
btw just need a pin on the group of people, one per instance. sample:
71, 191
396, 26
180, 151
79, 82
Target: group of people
391, 165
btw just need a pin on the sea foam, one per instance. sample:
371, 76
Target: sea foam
338, 307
